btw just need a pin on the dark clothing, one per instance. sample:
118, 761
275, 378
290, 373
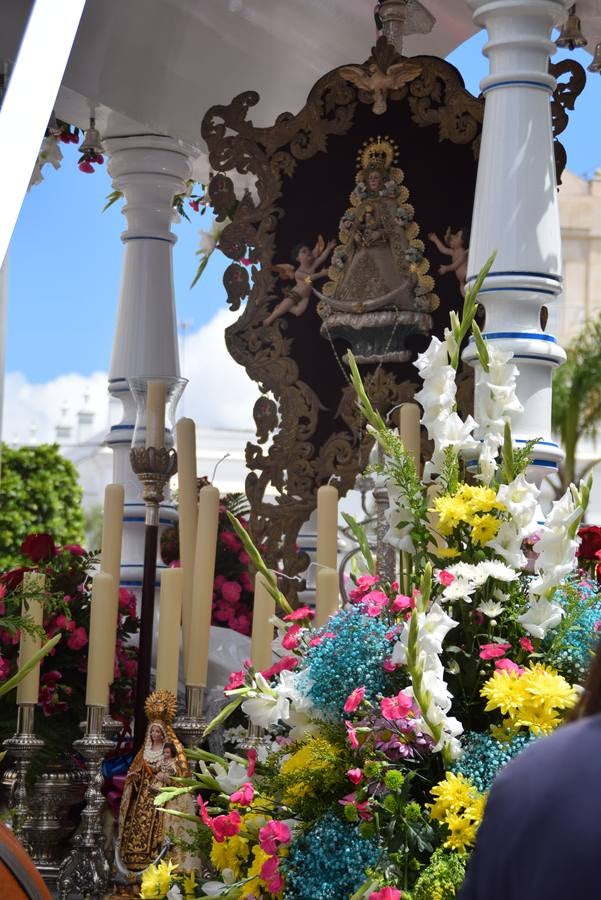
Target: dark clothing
540, 838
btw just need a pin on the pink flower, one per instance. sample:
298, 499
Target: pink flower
387, 893
62, 623
354, 700
352, 736
446, 578
401, 601
4, 668
526, 644
230, 541
231, 591
389, 666
272, 834
237, 679
251, 756
225, 826
316, 641
364, 583
355, 775
219, 579
130, 668
270, 873
244, 796
375, 602
78, 639
286, 664
493, 651
304, 612
51, 678
395, 708
75, 549
508, 665
245, 581
243, 558
291, 639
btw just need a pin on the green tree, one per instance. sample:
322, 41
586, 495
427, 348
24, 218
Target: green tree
577, 399
39, 491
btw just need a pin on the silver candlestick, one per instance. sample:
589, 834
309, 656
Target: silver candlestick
23, 745
190, 727
86, 870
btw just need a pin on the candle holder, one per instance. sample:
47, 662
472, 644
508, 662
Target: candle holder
23, 745
154, 466
86, 870
190, 726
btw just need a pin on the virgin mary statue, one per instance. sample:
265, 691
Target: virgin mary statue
143, 827
379, 290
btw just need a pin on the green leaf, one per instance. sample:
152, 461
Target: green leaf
360, 536
112, 198
199, 271
221, 716
18, 677
258, 563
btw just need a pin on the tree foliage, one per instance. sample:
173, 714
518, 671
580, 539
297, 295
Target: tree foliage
39, 491
577, 397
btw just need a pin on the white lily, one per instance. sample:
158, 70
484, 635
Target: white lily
540, 617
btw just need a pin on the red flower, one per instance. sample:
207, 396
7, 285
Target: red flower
86, 166
75, 549
291, 639
231, 591
304, 612
527, 645
38, 547
4, 668
78, 639
231, 541
387, 893
286, 664
351, 735
590, 541
355, 775
237, 679
251, 755
225, 826
195, 204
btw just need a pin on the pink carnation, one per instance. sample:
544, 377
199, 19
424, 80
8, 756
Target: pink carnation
395, 708
316, 641
291, 639
251, 755
508, 665
446, 578
225, 826
401, 601
272, 834
78, 639
231, 541
244, 796
375, 602
493, 651
355, 775
237, 679
386, 893
351, 735
286, 664
231, 591
354, 700
297, 615
363, 585
526, 644
270, 873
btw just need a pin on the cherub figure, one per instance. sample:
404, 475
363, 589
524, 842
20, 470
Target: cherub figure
309, 260
456, 245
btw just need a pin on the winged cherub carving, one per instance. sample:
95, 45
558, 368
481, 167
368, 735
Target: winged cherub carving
307, 271
378, 83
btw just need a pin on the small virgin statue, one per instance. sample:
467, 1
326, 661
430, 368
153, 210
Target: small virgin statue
379, 290
143, 827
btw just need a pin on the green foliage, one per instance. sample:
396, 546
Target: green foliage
443, 877
39, 492
576, 411
93, 527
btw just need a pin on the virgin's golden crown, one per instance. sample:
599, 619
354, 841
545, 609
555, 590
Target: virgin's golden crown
161, 706
378, 152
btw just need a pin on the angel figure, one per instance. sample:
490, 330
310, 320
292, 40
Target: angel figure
378, 83
456, 245
309, 260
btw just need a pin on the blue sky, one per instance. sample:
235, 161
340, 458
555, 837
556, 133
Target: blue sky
65, 256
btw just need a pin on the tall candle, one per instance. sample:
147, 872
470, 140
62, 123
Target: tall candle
327, 526
170, 614
112, 531
202, 592
101, 640
327, 595
188, 512
261, 653
29, 689
409, 429
155, 414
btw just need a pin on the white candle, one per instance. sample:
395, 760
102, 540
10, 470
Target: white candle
327, 526
261, 653
112, 531
170, 614
101, 640
188, 512
326, 596
409, 430
29, 689
155, 414
202, 596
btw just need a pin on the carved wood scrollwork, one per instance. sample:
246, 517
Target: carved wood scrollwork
287, 458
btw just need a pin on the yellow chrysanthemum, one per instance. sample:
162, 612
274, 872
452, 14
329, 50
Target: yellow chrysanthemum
454, 793
230, 853
451, 511
479, 499
484, 529
254, 887
531, 700
156, 881
462, 832
475, 810
189, 885
447, 552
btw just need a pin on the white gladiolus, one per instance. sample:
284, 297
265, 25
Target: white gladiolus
541, 616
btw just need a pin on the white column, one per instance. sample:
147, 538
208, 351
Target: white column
149, 170
516, 210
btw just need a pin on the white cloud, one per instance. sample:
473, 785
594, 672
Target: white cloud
219, 393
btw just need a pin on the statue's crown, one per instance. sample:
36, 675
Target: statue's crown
380, 152
161, 706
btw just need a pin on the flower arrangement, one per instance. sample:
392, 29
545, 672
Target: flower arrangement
374, 739
233, 586
66, 601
